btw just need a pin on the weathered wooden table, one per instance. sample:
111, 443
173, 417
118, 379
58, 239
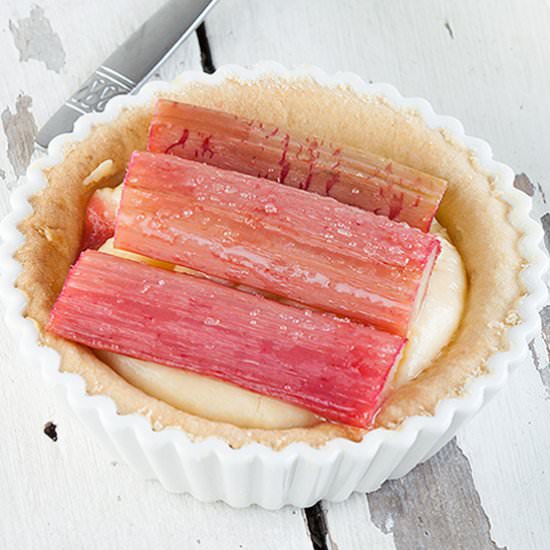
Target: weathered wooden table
486, 62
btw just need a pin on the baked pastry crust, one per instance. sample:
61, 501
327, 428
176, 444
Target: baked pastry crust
472, 212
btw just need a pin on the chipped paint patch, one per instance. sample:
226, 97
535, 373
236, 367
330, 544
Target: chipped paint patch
20, 129
543, 370
545, 220
450, 30
541, 191
545, 378
50, 429
523, 183
433, 507
534, 354
545, 319
35, 38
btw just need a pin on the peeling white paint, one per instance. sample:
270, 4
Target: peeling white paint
35, 38
20, 130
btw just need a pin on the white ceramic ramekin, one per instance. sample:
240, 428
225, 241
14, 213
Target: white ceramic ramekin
298, 475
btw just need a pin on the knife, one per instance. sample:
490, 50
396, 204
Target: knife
130, 65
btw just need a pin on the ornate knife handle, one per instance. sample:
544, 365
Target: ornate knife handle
103, 85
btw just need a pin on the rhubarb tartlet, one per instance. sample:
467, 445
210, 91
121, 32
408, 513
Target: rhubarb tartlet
261, 268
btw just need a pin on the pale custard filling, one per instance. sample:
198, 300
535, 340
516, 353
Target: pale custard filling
440, 313
207, 397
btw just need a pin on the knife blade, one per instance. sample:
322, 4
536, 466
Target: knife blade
130, 65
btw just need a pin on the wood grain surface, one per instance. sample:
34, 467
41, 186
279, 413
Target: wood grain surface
485, 62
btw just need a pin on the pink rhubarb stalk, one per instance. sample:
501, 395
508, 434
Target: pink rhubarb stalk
334, 367
99, 221
354, 177
300, 246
